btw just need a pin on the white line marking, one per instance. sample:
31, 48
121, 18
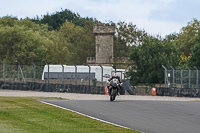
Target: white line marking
85, 115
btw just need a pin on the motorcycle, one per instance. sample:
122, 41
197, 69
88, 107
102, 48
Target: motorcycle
114, 85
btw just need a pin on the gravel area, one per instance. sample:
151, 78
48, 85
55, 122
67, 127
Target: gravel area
77, 96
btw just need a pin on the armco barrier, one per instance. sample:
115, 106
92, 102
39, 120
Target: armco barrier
51, 87
179, 92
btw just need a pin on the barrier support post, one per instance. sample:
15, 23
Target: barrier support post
62, 73
173, 76
48, 75
33, 72
101, 76
197, 78
3, 70
165, 75
181, 76
189, 74
75, 74
89, 75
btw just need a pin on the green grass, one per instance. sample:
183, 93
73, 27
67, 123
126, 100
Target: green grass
196, 100
28, 115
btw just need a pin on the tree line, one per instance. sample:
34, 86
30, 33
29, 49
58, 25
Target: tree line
67, 38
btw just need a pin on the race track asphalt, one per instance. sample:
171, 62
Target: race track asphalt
142, 115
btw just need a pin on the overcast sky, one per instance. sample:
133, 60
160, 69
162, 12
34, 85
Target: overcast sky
154, 16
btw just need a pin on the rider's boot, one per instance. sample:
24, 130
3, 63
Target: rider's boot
118, 92
108, 91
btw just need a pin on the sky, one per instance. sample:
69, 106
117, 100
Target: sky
156, 17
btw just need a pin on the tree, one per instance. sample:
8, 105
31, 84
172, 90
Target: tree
193, 60
56, 20
59, 50
22, 40
26, 42
126, 36
148, 59
73, 44
186, 38
130, 33
170, 37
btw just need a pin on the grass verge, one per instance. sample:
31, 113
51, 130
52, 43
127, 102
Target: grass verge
27, 115
196, 101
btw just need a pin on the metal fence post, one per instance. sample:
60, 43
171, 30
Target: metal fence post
75, 74
62, 73
18, 64
89, 75
165, 74
48, 75
197, 78
181, 76
135, 89
33, 72
114, 67
3, 70
189, 75
173, 75
101, 76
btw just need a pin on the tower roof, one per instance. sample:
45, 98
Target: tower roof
104, 29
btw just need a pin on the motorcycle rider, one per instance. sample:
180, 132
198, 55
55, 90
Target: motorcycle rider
120, 81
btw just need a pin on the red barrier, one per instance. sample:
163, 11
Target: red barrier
154, 91
106, 93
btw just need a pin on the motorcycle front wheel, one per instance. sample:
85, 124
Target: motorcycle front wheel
112, 95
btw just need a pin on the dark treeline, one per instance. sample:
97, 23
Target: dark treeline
66, 37
56, 20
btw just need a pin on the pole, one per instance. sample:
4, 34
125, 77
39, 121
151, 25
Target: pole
114, 68
197, 76
189, 75
89, 75
48, 75
62, 73
101, 76
3, 70
181, 75
173, 75
165, 74
33, 72
18, 64
75, 74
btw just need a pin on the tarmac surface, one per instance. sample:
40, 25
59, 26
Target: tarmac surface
141, 115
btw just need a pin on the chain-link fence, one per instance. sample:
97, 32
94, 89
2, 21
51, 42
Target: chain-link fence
59, 78
21, 73
181, 78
